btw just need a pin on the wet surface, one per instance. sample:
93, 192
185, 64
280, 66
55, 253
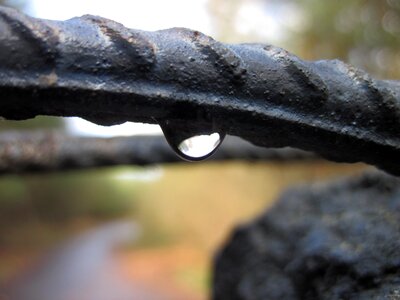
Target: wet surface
86, 268
99, 70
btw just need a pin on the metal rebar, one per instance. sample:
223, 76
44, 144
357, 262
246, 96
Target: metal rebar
99, 70
42, 151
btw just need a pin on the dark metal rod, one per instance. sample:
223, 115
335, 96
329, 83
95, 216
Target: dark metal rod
99, 70
55, 151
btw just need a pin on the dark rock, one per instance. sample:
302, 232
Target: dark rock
326, 241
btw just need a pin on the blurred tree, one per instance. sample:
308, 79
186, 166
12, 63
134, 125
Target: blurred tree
19, 4
365, 33
32, 124
63, 197
223, 14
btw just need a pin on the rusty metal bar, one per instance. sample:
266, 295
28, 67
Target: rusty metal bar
43, 151
99, 70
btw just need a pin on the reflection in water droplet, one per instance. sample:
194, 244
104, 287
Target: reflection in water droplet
200, 146
189, 142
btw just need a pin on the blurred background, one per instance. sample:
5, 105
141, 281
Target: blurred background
151, 233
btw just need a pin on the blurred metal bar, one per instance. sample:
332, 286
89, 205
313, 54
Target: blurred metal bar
55, 151
99, 70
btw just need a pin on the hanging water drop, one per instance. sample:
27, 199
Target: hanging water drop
200, 146
189, 143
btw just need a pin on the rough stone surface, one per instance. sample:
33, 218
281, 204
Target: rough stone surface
326, 241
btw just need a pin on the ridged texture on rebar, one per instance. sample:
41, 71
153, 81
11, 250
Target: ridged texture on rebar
99, 70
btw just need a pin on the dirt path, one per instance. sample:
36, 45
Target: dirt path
87, 268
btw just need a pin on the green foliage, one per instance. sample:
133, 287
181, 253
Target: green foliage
13, 197
64, 196
39, 122
365, 33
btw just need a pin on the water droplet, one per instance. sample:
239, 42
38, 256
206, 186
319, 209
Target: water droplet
189, 143
200, 146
